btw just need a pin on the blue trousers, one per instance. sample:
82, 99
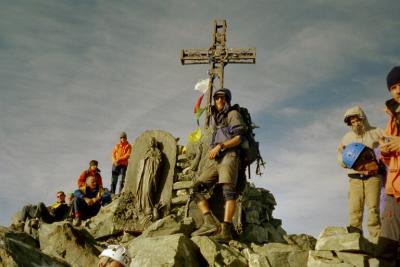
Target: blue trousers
115, 172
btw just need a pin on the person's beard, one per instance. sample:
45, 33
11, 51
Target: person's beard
359, 130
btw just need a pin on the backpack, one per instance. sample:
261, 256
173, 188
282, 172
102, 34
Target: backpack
250, 151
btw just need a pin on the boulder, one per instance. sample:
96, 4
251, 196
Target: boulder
355, 259
171, 250
217, 254
282, 255
168, 226
303, 241
254, 259
325, 259
19, 249
338, 239
103, 224
75, 246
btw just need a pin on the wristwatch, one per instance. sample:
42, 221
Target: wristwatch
222, 145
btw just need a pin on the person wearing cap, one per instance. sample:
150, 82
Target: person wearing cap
389, 237
120, 156
94, 171
114, 256
364, 185
227, 133
89, 199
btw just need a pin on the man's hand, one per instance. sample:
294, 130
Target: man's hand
92, 201
389, 144
212, 153
88, 201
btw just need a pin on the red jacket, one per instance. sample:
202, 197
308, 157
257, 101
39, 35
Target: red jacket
86, 173
121, 153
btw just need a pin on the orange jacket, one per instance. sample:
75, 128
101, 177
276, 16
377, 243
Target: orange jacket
96, 174
392, 159
121, 153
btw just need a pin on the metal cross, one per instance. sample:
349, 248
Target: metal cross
217, 56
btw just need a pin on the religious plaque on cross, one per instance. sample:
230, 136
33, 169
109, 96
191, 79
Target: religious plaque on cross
218, 55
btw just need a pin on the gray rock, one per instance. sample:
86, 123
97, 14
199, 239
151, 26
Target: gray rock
355, 259
254, 233
338, 239
63, 241
281, 255
172, 250
19, 249
167, 226
183, 185
373, 262
217, 254
303, 241
325, 259
180, 199
255, 260
103, 224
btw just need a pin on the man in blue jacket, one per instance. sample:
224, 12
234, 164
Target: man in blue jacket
89, 199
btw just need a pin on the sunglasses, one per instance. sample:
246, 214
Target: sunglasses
219, 97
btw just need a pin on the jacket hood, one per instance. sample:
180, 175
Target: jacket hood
356, 111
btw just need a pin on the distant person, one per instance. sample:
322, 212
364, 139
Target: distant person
114, 256
88, 200
70, 203
54, 213
120, 157
94, 171
389, 237
228, 130
364, 186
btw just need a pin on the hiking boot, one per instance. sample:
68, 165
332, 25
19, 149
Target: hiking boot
352, 229
209, 226
77, 221
225, 235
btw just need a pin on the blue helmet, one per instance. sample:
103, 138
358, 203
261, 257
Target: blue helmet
351, 153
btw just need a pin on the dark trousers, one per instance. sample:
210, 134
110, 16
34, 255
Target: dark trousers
388, 242
39, 211
83, 210
115, 172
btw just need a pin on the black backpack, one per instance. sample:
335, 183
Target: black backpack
250, 151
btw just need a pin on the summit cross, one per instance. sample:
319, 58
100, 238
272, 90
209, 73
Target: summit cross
218, 55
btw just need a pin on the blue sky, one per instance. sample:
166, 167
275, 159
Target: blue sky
75, 73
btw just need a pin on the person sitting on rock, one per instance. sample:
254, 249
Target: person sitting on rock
70, 202
114, 256
56, 212
92, 171
89, 199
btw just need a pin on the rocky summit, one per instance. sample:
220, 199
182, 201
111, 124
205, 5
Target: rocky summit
162, 237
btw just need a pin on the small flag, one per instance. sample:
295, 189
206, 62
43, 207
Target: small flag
202, 85
198, 104
195, 135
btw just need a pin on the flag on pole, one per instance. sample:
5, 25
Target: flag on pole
202, 85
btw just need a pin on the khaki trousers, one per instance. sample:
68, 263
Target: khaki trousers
363, 192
